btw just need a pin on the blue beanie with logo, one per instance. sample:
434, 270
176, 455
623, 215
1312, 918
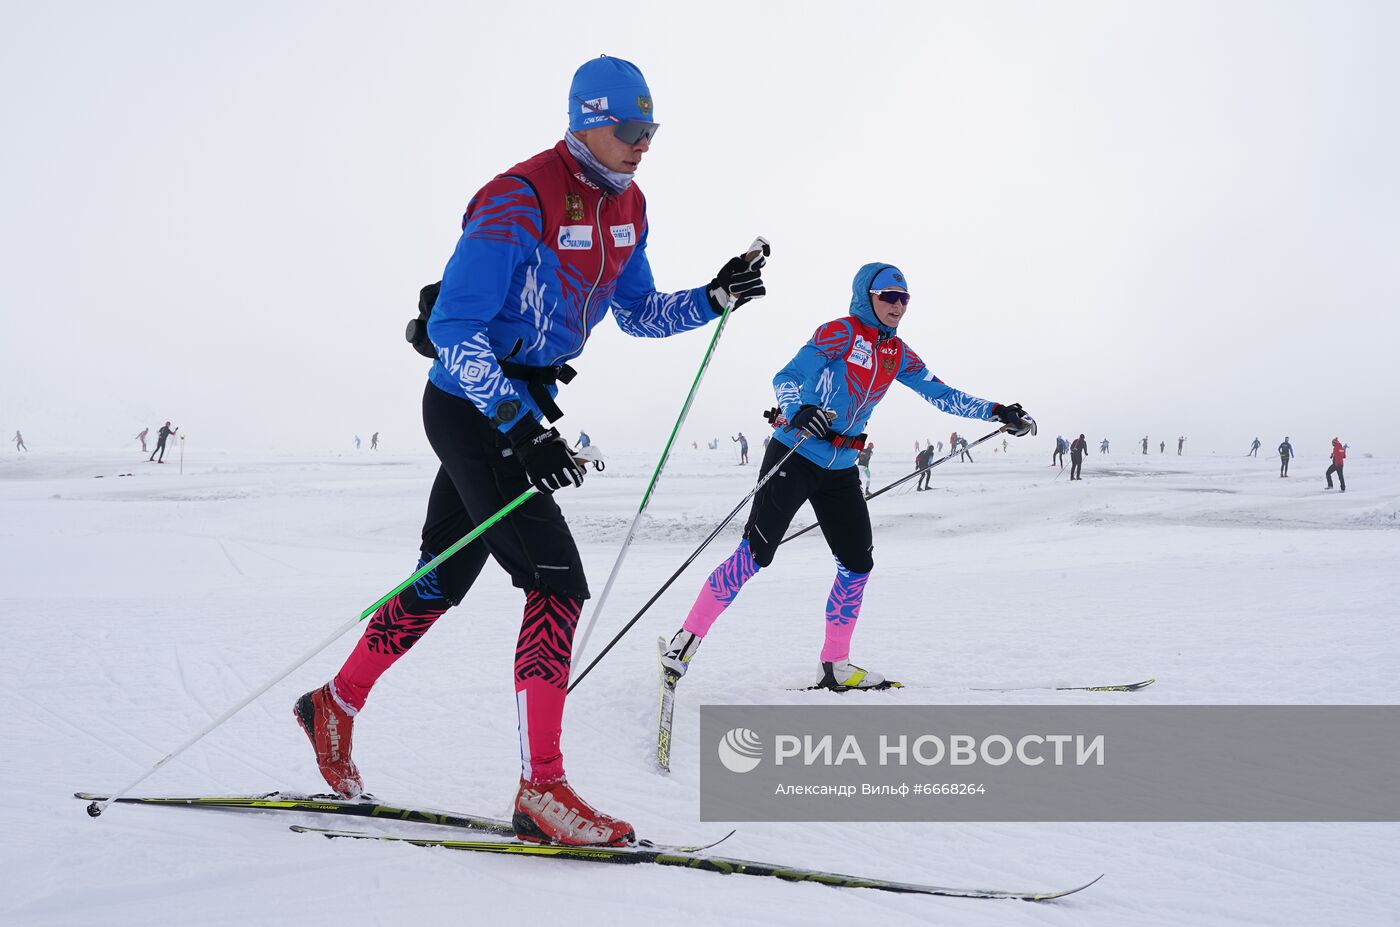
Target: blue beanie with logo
608, 87
888, 276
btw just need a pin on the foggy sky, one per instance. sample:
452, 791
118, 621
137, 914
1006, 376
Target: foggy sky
1134, 218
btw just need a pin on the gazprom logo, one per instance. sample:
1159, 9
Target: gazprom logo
740, 750
575, 237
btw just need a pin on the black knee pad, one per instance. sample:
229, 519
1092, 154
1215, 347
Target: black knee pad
762, 551
568, 583
862, 562
455, 575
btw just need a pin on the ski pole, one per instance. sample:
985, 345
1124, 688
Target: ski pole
689, 560
904, 479
756, 252
97, 807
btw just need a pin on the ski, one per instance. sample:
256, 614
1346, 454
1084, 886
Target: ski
319, 804
695, 859
1123, 687
841, 690
641, 846
668, 708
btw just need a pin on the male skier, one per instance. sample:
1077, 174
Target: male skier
548, 248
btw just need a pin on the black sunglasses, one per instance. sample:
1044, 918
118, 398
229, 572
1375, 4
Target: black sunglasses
633, 131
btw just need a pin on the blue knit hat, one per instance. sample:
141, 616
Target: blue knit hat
607, 87
888, 276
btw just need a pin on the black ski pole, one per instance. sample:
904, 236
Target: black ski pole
904, 479
689, 560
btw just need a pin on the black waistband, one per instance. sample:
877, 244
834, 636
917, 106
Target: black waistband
537, 379
856, 442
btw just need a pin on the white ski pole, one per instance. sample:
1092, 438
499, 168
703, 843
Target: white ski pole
755, 253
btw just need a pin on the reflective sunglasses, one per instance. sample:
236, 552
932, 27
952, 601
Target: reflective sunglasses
629, 131
892, 296
632, 131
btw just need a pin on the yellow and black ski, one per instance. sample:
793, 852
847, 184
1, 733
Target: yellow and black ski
668, 709
696, 858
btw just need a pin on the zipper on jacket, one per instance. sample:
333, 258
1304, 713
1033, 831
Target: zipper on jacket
602, 266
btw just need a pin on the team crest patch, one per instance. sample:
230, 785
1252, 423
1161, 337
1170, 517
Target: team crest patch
573, 207
575, 238
644, 104
860, 353
887, 363
624, 236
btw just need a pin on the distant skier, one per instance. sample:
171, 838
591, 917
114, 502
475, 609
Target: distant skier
1103, 446
743, 448
141, 436
548, 250
165, 432
940, 448
19, 442
1077, 450
1285, 454
1339, 456
1254, 448
1058, 455
357, 442
964, 452
1161, 447
1180, 442
848, 365
1144, 444
1003, 445
583, 439
374, 441
862, 461
921, 462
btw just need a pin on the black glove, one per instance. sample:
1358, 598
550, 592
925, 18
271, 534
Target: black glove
811, 419
544, 455
1018, 423
738, 280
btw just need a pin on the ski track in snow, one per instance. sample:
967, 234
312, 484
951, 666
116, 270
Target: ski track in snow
139, 608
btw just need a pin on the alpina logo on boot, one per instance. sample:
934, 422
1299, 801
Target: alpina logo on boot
562, 816
333, 735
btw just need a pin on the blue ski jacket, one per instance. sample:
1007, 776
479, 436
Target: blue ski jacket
544, 254
847, 366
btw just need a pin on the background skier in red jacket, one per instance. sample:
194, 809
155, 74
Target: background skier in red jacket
1339, 456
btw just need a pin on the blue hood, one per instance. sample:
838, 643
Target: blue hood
888, 275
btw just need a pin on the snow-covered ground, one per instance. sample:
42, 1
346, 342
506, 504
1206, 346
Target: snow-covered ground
138, 607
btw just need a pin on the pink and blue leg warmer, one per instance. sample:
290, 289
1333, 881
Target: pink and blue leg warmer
842, 611
720, 589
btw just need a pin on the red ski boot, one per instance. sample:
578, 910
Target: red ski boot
553, 813
330, 728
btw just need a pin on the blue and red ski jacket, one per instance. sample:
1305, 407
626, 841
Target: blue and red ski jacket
544, 254
848, 366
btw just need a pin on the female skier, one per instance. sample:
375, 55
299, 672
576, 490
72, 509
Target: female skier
844, 370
